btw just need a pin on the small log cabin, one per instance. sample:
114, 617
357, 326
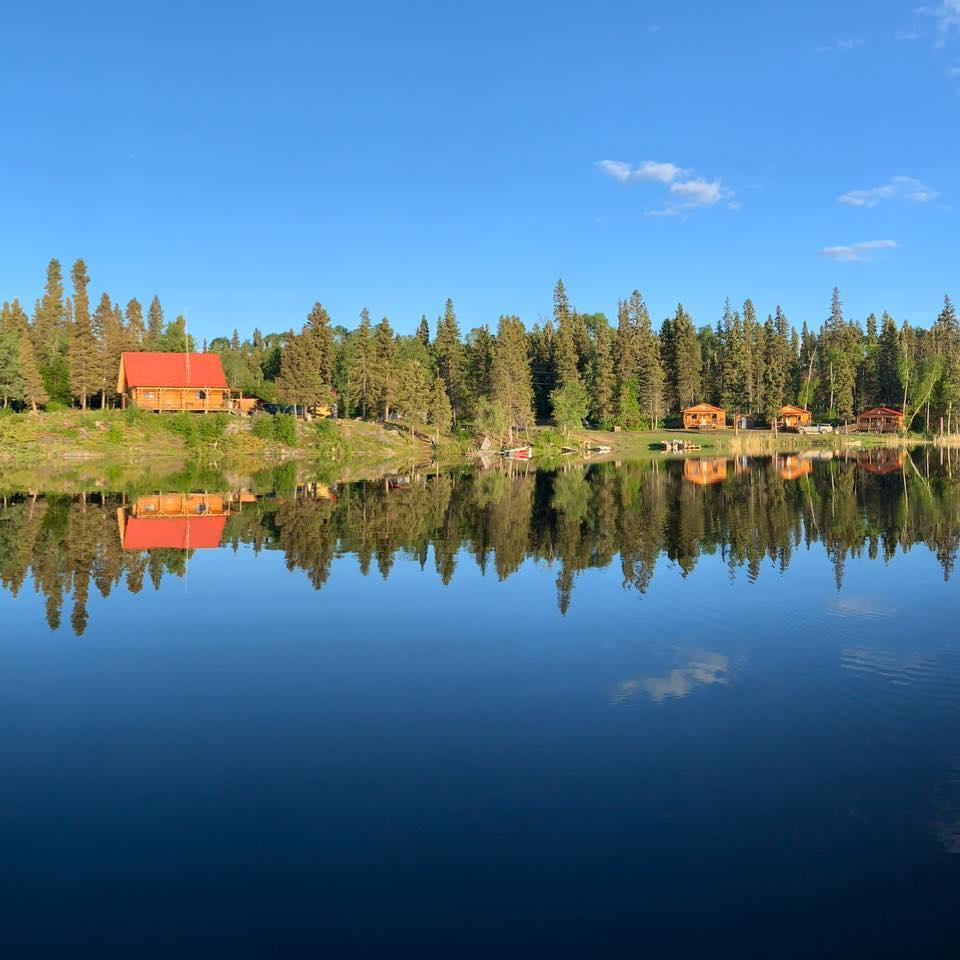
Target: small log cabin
705, 470
704, 416
790, 417
881, 420
173, 381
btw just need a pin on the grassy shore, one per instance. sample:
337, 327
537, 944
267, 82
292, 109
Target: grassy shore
62, 440
60, 443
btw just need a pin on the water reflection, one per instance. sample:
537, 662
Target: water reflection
639, 515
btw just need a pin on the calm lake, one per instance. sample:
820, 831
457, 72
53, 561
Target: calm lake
657, 708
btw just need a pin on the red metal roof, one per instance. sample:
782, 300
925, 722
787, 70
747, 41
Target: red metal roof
173, 370
175, 533
881, 412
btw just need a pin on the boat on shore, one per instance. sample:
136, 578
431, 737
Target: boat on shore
517, 453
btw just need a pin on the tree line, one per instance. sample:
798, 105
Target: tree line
574, 367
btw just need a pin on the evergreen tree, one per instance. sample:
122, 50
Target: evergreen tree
478, 366
359, 365
512, 389
155, 323
50, 336
423, 331
565, 354
776, 367
135, 333
448, 351
602, 379
412, 393
683, 371
441, 414
85, 367
383, 382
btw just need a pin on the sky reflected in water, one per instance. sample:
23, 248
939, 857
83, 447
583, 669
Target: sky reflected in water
646, 706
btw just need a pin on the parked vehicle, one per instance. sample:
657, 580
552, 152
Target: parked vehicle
815, 428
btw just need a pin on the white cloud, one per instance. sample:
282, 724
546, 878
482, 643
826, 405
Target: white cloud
841, 45
905, 188
688, 191
646, 170
947, 15
856, 252
698, 191
908, 35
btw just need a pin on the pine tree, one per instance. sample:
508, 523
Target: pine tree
359, 365
441, 414
602, 379
155, 323
448, 351
135, 331
84, 353
512, 389
775, 367
565, 356
423, 331
383, 374
114, 343
50, 335
413, 392
33, 393
683, 370
11, 379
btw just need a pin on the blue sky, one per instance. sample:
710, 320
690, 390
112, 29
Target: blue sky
243, 161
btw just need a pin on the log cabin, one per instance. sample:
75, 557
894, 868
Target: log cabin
173, 382
881, 420
704, 416
790, 417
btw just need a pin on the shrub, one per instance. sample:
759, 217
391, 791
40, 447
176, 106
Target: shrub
278, 428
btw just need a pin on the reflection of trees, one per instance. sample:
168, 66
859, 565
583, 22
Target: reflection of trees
574, 517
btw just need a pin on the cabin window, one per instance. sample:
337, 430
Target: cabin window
149, 394
201, 394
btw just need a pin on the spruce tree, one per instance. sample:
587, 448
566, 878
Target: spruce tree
448, 351
383, 374
683, 376
423, 331
602, 379
441, 414
135, 331
155, 324
565, 355
83, 350
359, 365
511, 388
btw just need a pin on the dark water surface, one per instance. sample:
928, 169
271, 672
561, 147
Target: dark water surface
661, 708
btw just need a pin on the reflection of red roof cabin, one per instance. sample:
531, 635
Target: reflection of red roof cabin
881, 462
173, 533
173, 381
174, 521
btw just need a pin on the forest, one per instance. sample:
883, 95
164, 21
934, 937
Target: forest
575, 368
